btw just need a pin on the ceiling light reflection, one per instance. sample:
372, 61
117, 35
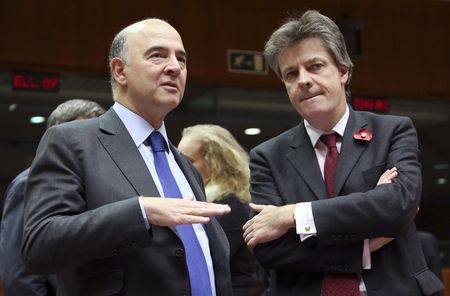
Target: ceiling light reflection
252, 131
37, 119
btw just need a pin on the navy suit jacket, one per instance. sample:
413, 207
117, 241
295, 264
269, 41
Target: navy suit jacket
83, 219
284, 170
17, 279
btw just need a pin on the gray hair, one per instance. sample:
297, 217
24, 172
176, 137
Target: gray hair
310, 24
118, 49
74, 109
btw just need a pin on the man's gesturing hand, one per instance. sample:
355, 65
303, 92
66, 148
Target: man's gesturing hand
174, 211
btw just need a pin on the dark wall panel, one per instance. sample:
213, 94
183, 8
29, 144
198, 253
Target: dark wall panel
403, 46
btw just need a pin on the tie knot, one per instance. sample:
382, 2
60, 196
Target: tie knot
329, 140
157, 142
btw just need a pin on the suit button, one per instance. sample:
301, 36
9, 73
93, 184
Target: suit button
115, 251
179, 253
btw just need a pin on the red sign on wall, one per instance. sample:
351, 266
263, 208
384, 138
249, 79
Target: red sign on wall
27, 81
380, 105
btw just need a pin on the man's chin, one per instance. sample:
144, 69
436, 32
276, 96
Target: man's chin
172, 101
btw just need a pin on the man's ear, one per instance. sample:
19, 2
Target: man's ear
118, 71
344, 74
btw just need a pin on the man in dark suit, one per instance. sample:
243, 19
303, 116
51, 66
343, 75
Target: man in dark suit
93, 211
17, 279
323, 224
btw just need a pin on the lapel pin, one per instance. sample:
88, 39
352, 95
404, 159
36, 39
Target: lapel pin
363, 134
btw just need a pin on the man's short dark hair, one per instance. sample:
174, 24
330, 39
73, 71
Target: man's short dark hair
74, 109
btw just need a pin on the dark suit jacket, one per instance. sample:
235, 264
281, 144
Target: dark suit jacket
83, 220
284, 170
17, 279
246, 276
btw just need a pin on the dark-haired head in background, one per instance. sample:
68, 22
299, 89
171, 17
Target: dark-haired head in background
73, 110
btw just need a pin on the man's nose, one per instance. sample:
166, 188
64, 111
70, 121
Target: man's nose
304, 78
173, 66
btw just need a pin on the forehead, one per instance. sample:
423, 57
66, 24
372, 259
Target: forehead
304, 50
154, 33
189, 145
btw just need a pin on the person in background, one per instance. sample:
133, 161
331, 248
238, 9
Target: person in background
223, 164
430, 246
17, 279
111, 205
321, 222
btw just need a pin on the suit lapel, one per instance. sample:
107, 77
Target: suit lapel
120, 146
187, 171
304, 160
351, 150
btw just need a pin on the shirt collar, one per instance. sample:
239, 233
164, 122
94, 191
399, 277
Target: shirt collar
315, 134
138, 128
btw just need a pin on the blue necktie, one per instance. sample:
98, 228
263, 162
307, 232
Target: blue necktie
198, 270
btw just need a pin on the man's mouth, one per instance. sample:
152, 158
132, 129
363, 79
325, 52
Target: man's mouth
307, 97
170, 84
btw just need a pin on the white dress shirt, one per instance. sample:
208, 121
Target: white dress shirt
140, 130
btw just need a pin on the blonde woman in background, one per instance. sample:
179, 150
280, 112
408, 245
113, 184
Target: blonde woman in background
223, 164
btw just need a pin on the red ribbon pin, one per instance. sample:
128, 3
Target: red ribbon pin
363, 134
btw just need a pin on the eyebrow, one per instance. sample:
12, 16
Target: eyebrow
158, 48
315, 59
308, 61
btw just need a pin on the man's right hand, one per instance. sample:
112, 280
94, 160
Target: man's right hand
378, 242
174, 211
387, 176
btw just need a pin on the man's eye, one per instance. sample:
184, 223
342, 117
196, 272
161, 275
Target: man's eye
155, 55
290, 74
317, 66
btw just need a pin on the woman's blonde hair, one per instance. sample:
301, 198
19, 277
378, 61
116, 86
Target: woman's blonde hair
225, 159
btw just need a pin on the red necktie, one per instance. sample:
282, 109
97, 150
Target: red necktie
335, 284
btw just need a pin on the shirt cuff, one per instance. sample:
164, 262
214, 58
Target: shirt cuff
367, 259
141, 204
304, 220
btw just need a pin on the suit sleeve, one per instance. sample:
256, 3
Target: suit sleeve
288, 252
61, 228
384, 211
